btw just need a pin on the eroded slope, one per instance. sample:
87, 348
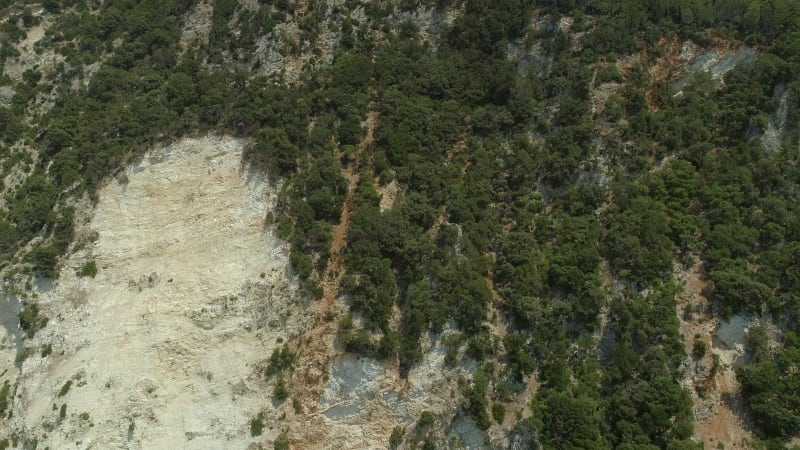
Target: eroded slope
164, 347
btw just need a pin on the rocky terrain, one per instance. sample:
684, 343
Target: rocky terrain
165, 346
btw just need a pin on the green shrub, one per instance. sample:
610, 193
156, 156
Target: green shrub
498, 412
65, 388
282, 442
477, 404
425, 419
281, 391
257, 425
281, 359
44, 260
4, 392
30, 321
609, 73
699, 348
398, 433
89, 269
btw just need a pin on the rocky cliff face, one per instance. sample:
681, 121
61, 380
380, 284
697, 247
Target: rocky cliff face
165, 346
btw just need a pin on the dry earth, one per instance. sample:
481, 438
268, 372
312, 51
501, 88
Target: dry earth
719, 411
197, 25
165, 346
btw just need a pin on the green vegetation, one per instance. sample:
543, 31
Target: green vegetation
280, 360
30, 321
282, 442
22, 355
88, 270
65, 388
398, 433
5, 391
498, 412
477, 404
699, 348
426, 419
257, 425
281, 391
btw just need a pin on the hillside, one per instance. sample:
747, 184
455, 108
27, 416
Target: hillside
370, 224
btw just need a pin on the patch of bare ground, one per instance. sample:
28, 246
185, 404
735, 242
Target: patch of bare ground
670, 65
495, 319
197, 25
677, 57
517, 407
710, 378
609, 284
284, 51
388, 193
601, 94
456, 151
